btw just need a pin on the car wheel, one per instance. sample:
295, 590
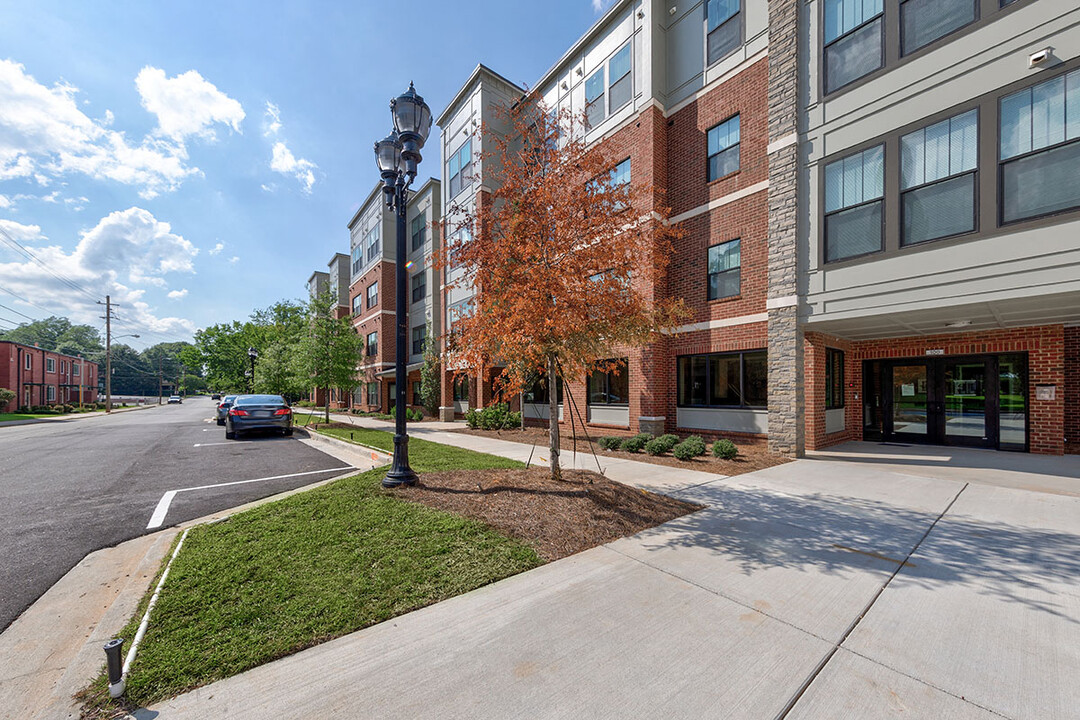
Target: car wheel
288, 432
230, 435
220, 422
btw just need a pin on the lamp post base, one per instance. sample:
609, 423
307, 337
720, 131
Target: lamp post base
400, 472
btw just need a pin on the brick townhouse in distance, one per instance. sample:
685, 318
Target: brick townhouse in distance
43, 377
881, 207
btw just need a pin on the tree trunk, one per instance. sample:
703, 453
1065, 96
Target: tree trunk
553, 419
327, 396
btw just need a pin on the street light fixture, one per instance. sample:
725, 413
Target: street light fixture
252, 353
397, 156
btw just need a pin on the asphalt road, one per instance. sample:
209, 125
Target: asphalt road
69, 488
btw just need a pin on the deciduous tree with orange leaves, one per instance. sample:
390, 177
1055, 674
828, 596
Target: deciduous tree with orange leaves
564, 254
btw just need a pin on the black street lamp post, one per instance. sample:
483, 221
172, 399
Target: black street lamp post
252, 353
397, 156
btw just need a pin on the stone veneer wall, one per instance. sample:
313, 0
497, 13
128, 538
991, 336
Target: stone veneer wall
786, 428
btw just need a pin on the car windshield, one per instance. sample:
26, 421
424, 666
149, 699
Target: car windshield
260, 400
229, 398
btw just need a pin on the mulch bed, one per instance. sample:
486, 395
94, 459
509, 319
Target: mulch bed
751, 457
557, 518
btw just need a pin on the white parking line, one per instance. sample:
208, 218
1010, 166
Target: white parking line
158, 518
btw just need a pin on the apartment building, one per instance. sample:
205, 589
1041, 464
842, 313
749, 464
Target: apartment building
372, 292
679, 94
939, 287
43, 377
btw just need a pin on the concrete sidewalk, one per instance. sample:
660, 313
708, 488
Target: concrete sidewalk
815, 589
71, 416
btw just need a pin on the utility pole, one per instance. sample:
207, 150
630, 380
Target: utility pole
108, 352
159, 379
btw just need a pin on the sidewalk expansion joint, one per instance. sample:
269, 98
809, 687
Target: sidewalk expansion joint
851, 628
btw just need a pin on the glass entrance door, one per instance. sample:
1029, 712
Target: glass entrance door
909, 413
967, 395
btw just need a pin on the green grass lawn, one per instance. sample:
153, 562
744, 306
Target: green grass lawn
317, 565
5, 417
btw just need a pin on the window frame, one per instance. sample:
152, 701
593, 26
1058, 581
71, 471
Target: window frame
420, 286
989, 188
741, 354
739, 16
372, 301
825, 45
50, 393
601, 98
357, 304
629, 75
75, 372
831, 355
50, 365
371, 346
460, 388
883, 199
737, 147
975, 173
28, 364
421, 339
623, 369
373, 393
900, 23
372, 244
459, 176
737, 270
892, 48
418, 229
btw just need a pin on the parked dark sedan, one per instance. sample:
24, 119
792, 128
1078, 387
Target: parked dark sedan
223, 408
258, 412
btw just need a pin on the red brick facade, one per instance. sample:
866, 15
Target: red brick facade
32, 384
1072, 390
1045, 347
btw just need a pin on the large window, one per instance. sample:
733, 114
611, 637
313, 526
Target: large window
371, 243
419, 232
357, 304
723, 150
373, 295
75, 369
419, 286
924, 21
854, 190
1040, 149
454, 313
459, 168
609, 387
853, 40
723, 28
622, 87
419, 335
723, 380
50, 395
357, 259
594, 98
725, 263
373, 343
538, 393
50, 365
938, 180
834, 379
620, 174
373, 393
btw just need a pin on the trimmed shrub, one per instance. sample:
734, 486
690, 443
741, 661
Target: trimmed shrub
6, 396
725, 449
413, 415
493, 417
636, 443
610, 443
662, 444
689, 448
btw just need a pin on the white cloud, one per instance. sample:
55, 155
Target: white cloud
4, 202
43, 133
216, 250
284, 162
268, 188
21, 233
282, 159
272, 119
77, 203
178, 294
186, 105
234, 259
600, 6
126, 248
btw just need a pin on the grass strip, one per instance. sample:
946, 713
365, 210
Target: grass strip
290, 574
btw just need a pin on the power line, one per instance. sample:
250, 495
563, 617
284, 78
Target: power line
25, 252
18, 313
21, 298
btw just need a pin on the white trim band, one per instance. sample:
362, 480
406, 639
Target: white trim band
722, 323
778, 145
721, 201
781, 302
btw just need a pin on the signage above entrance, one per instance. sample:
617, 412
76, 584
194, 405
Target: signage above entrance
936, 351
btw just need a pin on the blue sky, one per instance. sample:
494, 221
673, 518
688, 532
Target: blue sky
199, 160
